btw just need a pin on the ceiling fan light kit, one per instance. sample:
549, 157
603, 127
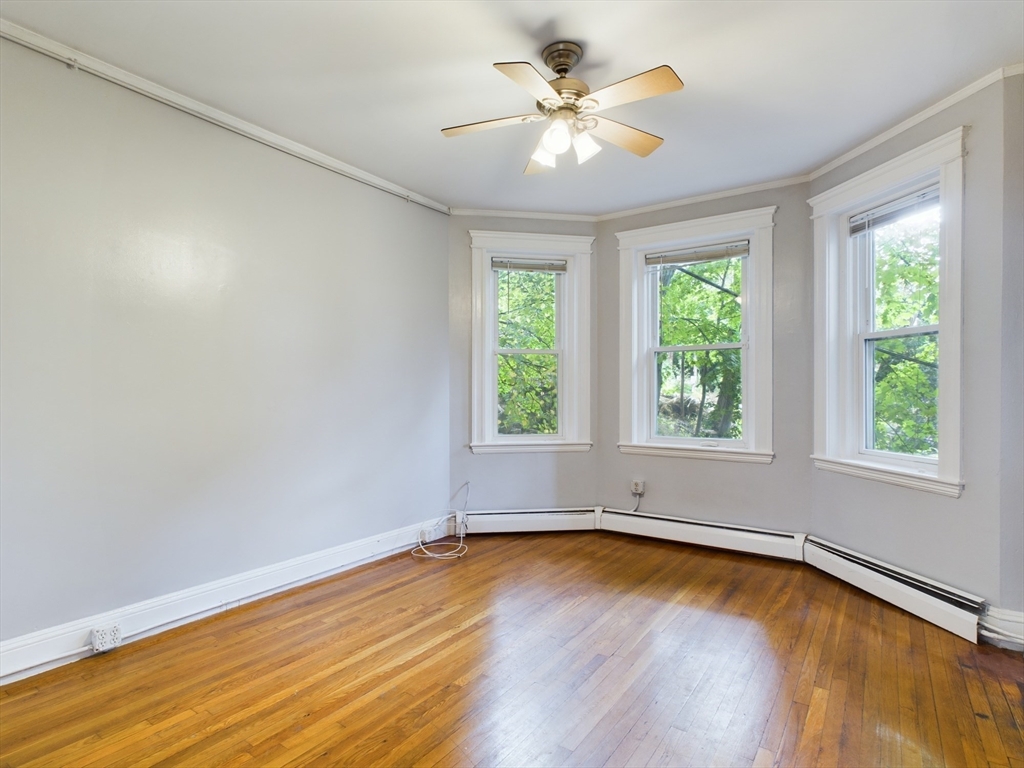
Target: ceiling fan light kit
568, 105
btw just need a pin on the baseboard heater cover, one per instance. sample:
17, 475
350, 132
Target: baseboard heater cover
938, 603
530, 521
757, 541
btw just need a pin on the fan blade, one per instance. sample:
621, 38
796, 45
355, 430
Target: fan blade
486, 125
654, 82
525, 75
636, 141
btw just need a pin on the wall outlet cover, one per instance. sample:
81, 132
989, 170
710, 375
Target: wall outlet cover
637, 487
106, 638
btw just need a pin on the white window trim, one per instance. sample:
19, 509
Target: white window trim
636, 391
573, 341
838, 382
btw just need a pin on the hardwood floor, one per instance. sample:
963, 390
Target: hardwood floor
547, 649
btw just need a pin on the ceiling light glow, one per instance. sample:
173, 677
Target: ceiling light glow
557, 138
544, 157
585, 147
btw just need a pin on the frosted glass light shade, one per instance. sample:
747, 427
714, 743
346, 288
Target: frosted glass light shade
544, 157
585, 147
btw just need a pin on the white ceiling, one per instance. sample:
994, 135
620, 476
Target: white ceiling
773, 89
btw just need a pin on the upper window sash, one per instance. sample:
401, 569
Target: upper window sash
559, 308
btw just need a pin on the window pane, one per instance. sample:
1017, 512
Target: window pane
907, 271
527, 394
699, 303
699, 394
526, 309
905, 396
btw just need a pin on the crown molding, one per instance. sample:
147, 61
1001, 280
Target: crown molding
77, 60
525, 215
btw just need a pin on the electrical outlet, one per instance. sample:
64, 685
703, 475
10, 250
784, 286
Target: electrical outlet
106, 638
431, 534
637, 487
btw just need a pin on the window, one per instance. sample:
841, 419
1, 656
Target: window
531, 342
696, 338
887, 298
896, 247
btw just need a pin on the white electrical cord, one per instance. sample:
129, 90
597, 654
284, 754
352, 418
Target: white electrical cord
995, 632
453, 551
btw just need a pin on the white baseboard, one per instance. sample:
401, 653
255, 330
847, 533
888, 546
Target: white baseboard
788, 546
1003, 628
913, 600
38, 651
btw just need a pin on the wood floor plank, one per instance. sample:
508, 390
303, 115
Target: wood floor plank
832, 728
548, 649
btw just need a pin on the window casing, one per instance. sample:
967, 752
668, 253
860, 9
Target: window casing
531, 342
696, 337
887, 344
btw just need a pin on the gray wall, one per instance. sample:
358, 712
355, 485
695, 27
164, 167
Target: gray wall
215, 356
1012, 399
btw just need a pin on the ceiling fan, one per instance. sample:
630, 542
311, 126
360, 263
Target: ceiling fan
569, 106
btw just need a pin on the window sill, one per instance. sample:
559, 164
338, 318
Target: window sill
694, 452
890, 475
539, 446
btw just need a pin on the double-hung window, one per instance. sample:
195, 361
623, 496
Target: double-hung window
895, 248
696, 338
531, 346
887, 330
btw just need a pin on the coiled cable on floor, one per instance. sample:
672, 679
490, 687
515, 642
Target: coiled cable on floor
447, 550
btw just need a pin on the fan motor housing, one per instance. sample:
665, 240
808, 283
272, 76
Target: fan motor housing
562, 57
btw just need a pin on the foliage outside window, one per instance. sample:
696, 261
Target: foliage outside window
696, 347
698, 353
900, 249
527, 355
531, 346
888, 321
